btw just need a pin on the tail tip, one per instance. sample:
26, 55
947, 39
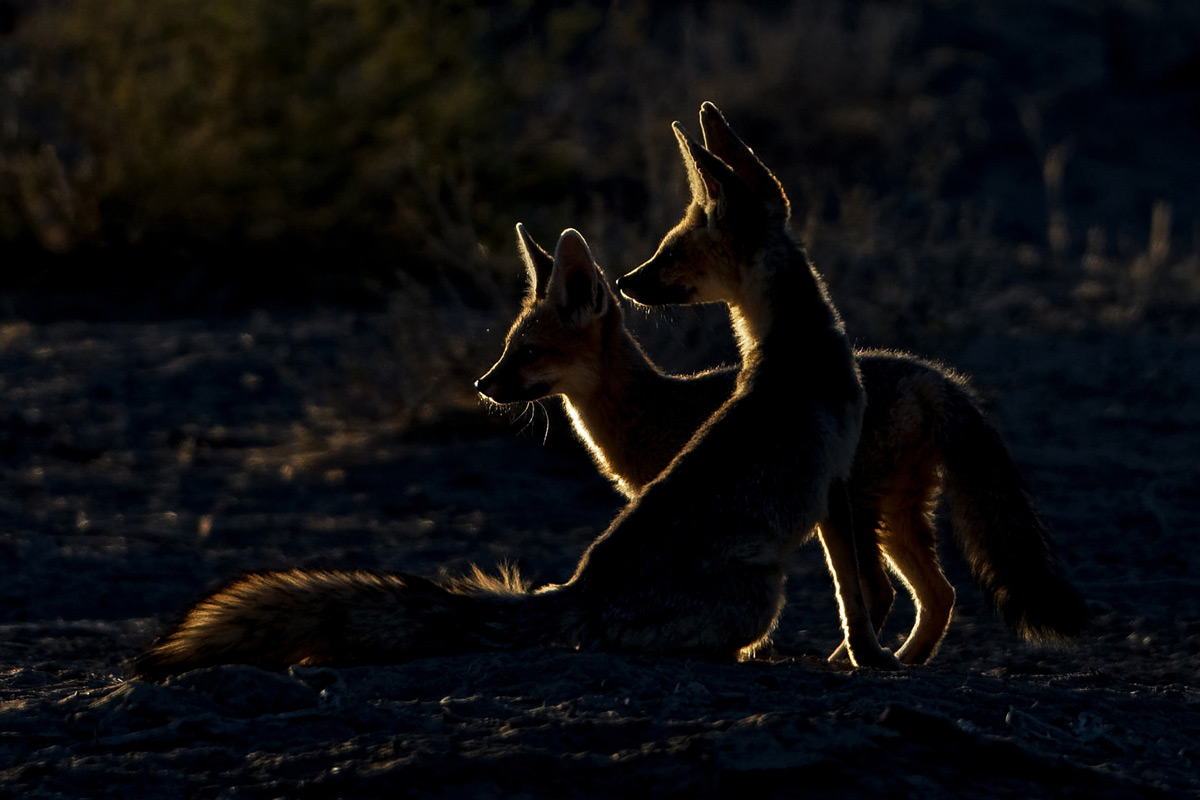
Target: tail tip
1058, 615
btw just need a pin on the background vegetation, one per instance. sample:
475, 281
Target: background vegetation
955, 166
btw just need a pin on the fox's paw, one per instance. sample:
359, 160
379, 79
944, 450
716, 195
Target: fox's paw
877, 659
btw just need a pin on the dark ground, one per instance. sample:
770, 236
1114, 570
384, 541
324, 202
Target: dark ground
145, 463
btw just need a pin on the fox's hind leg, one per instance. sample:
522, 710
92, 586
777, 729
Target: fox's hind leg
909, 542
877, 586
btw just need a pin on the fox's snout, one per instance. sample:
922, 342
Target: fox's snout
644, 285
483, 384
490, 386
503, 385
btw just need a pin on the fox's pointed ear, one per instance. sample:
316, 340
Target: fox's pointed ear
577, 287
538, 263
711, 179
726, 145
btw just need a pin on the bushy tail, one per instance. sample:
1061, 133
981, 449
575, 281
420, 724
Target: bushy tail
276, 619
1005, 542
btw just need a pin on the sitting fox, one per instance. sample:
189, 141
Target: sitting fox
570, 340
694, 565
921, 422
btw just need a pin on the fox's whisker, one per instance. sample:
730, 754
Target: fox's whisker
537, 404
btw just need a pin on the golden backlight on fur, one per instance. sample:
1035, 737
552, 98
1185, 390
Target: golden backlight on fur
696, 563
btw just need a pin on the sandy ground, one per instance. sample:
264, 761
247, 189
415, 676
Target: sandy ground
145, 463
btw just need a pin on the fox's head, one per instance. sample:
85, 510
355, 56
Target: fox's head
553, 345
736, 204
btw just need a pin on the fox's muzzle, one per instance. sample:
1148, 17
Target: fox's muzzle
646, 287
500, 387
488, 385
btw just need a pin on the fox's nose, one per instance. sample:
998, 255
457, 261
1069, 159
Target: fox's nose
625, 282
632, 284
486, 384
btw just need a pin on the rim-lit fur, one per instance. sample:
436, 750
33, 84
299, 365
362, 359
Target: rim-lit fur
695, 564
922, 424
573, 342
799, 399
568, 309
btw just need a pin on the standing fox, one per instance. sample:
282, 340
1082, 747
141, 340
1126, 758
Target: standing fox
921, 422
695, 564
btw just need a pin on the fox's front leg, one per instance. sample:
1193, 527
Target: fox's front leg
877, 588
837, 540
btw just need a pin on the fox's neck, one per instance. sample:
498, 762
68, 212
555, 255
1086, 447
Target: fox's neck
783, 318
605, 417
752, 320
